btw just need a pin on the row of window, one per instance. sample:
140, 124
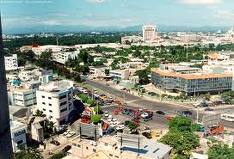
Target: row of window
44, 97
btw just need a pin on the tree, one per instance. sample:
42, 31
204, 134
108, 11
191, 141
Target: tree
182, 142
107, 71
58, 155
143, 76
96, 118
181, 137
28, 154
98, 109
39, 113
219, 151
180, 123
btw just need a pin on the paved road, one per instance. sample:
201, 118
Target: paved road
135, 101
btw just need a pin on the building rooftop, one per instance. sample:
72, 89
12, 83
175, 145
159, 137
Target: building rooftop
56, 86
15, 125
151, 149
199, 75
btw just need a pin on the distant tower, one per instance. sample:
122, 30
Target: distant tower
149, 33
5, 135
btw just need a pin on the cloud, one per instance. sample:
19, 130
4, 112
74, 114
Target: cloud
200, 2
96, 1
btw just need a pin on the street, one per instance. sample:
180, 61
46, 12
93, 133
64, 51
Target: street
138, 102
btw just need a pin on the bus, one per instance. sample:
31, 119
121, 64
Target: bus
227, 117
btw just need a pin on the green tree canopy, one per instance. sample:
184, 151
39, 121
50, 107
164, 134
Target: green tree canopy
219, 151
96, 118
28, 154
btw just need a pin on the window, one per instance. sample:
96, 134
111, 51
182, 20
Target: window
44, 109
50, 104
63, 110
43, 96
51, 111
20, 142
49, 97
43, 103
63, 96
63, 103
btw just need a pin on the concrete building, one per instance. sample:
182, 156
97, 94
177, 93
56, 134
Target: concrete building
97, 71
63, 56
5, 136
149, 33
131, 39
22, 97
37, 130
55, 99
190, 80
18, 135
11, 62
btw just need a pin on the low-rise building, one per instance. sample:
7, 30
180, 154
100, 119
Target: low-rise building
18, 135
63, 56
55, 99
22, 96
11, 62
190, 80
37, 129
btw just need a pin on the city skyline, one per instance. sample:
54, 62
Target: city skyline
108, 13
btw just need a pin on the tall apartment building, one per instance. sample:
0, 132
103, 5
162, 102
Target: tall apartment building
190, 81
11, 62
55, 99
149, 33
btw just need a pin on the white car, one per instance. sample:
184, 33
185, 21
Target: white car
106, 115
144, 115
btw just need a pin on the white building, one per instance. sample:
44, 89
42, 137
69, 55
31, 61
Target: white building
55, 99
37, 131
18, 135
11, 62
131, 39
22, 97
149, 33
62, 57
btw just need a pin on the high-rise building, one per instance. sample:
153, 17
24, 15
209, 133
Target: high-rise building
5, 136
149, 33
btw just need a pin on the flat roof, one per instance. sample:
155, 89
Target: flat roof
190, 76
151, 149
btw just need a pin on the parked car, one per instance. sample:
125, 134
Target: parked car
66, 148
209, 109
55, 142
186, 113
159, 112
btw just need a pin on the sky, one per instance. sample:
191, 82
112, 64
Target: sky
120, 13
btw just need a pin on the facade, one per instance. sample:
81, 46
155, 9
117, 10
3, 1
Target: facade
190, 82
55, 99
63, 56
22, 97
18, 135
37, 131
149, 33
131, 39
11, 62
